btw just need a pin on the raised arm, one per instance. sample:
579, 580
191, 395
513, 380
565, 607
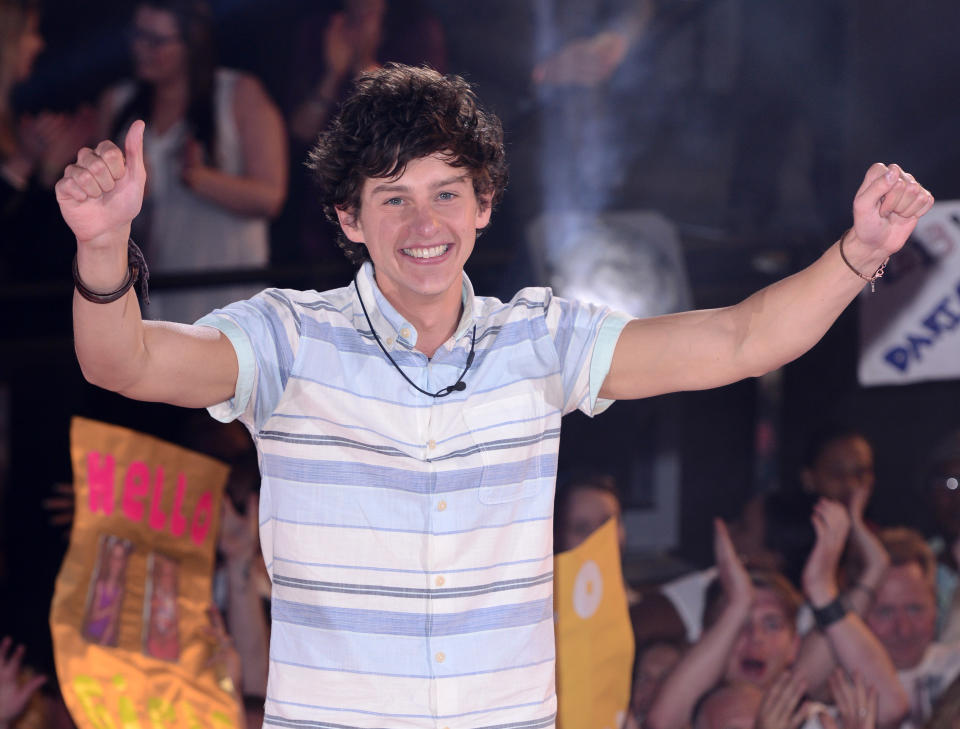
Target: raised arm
260, 190
702, 667
847, 641
99, 196
702, 349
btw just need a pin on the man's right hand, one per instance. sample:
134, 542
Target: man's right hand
101, 193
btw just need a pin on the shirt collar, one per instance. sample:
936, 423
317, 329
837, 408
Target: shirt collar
391, 327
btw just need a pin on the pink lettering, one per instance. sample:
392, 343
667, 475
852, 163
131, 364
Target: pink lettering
100, 479
177, 523
202, 516
157, 518
135, 487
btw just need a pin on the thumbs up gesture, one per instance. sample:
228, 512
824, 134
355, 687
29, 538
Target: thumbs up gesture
101, 193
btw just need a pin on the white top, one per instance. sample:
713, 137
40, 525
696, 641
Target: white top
925, 682
185, 231
688, 595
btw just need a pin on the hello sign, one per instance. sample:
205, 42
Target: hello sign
130, 607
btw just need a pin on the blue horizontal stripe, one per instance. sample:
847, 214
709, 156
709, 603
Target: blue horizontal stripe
384, 622
409, 656
351, 473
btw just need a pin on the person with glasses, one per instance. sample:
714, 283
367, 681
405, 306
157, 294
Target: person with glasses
215, 146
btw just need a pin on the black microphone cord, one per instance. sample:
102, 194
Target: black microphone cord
458, 386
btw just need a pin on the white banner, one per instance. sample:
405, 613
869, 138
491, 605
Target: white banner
910, 328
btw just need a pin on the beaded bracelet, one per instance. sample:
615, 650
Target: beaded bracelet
136, 269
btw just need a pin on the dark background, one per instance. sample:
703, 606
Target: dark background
748, 124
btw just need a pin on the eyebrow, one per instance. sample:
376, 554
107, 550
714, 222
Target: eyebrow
389, 187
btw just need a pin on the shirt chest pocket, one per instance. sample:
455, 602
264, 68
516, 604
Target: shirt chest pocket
509, 435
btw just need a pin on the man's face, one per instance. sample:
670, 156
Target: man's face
588, 509
766, 645
419, 230
843, 466
654, 666
904, 614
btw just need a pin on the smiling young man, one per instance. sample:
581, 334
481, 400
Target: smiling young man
408, 428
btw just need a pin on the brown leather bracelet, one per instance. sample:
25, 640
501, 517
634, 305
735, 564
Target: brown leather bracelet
136, 269
872, 280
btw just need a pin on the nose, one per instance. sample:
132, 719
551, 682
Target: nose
904, 626
425, 222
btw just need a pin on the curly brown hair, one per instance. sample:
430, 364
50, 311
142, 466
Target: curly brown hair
397, 114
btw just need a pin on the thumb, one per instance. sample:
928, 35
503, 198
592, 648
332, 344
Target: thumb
133, 149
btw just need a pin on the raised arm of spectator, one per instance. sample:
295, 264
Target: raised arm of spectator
846, 641
14, 695
703, 665
261, 189
875, 559
702, 349
99, 196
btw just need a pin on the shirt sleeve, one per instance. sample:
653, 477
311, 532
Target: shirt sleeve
585, 336
265, 334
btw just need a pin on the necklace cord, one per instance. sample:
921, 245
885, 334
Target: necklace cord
457, 386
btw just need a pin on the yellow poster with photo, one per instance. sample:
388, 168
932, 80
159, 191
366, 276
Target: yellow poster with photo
130, 609
594, 635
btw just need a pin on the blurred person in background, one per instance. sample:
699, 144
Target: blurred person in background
34, 147
751, 633
652, 664
941, 497
355, 36
215, 148
903, 616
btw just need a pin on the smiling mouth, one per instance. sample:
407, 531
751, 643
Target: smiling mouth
425, 253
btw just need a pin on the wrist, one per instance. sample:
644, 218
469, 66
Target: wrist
102, 262
819, 595
862, 259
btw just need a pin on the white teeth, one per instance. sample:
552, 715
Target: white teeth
427, 252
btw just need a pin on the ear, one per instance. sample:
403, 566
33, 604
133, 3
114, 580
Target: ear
350, 224
484, 210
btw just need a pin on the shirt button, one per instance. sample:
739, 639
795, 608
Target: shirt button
405, 333
442, 506
440, 581
431, 444
440, 658
389, 341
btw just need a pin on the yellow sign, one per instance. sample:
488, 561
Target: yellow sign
130, 607
594, 636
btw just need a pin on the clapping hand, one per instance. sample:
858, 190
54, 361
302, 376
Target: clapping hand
14, 695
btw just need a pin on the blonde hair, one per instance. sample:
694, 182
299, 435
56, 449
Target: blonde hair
907, 546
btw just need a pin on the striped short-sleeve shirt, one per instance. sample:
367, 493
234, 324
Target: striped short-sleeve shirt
409, 538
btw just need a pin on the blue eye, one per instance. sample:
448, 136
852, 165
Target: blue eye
446, 196
393, 201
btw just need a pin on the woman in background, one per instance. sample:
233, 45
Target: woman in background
215, 148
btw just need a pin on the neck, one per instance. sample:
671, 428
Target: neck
435, 317
172, 91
